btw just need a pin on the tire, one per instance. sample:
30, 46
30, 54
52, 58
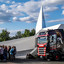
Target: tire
54, 56
38, 57
57, 56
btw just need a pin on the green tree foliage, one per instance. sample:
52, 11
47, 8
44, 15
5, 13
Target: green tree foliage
18, 34
4, 35
32, 32
26, 33
23, 35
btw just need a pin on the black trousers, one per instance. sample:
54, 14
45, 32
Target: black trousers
1, 56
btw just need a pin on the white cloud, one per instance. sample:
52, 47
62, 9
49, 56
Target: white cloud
4, 16
6, 13
7, 2
12, 6
13, 2
52, 2
1, 29
30, 8
1, 22
63, 12
28, 22
25, 19
48, 9
58, 20
13, 32
14, 18
3, 7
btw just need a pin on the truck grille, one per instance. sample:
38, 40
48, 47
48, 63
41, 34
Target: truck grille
41, 50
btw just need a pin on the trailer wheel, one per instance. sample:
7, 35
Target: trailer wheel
57, 56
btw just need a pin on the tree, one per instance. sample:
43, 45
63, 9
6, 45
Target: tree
32, 32
4, 35
26, 33
18, 34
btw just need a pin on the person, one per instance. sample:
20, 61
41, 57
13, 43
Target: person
2, 52
8, 52
12, 53
5, 53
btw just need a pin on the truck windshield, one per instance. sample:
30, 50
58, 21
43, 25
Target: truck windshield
42, 39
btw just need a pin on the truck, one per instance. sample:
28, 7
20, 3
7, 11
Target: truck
49, 44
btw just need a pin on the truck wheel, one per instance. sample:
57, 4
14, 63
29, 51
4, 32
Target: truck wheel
38, 56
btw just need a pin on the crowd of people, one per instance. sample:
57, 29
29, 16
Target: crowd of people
7, 53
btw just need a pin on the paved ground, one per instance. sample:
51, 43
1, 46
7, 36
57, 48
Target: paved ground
21, 59
32, 61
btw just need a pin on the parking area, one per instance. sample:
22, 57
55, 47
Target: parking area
32, 61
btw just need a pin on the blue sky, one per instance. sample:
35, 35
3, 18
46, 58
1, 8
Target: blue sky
18, 15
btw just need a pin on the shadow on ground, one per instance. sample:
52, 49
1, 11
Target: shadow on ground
16, 61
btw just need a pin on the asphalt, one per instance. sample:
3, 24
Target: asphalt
32, 61
22, 54
21, 59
